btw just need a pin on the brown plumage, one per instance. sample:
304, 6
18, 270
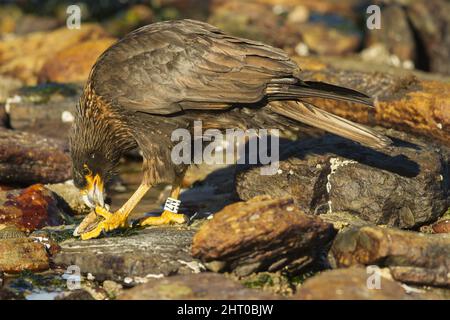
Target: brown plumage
166, 75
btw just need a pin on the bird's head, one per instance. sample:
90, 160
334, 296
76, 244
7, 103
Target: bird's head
91, 172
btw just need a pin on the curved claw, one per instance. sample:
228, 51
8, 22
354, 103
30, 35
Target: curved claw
112, 221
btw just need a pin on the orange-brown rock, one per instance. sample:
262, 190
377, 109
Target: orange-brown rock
22, 254
74, 63
23, 57
27, 158
414, 257
402, 101
351, 284
259, 235
29, 209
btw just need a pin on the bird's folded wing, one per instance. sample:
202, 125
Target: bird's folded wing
172, 66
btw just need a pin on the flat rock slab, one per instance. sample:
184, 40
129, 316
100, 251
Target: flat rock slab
262, 234
404, 187
151, 252
351, 284
204, 286
22, 254
413, 257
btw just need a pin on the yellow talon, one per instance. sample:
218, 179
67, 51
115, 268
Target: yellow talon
166, 217
103, 212
112, 221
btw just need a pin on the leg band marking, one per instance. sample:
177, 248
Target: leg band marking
172, 205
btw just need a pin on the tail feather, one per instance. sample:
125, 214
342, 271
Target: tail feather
309, 89
311, 115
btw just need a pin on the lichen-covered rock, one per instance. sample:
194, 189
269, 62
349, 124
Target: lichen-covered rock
413, 257
30, 209
405, 186
262, 234
22, 254
26, 158
209, 286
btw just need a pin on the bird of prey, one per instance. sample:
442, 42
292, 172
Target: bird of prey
169, 74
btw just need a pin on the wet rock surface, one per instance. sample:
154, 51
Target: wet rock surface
403, 187
261, 234
152, 252
47, 110
18, 254
411, 256
32, 208
27, 158
209, 286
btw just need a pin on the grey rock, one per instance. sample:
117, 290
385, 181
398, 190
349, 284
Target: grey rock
71, 196
209, 286
405, 186
151, 252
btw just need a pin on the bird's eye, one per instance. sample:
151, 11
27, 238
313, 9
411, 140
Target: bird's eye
86, 171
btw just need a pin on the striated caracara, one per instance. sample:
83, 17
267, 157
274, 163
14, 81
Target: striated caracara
167, 75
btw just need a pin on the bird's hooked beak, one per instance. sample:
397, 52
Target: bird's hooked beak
93, 194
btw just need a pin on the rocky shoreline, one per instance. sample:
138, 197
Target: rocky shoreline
337, 221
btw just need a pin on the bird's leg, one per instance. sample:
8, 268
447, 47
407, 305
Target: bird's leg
169, 214
119, 218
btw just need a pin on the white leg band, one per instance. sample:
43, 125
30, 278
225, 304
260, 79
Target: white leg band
172, 205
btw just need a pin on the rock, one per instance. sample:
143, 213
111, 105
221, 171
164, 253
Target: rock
112, 288
3, 116
30, 209
23, 57
405, 186
403, 101
128, 20
10, 15
22, 254
209, 286
27, 158
442, 226
11, 232
71, 196
153, 252
262, 234
33, 23
78, 294
47, 109
6, 294
7, 86
412, 257
351, 284
431, 22
323, 40
73, 64
396, 34
243, 19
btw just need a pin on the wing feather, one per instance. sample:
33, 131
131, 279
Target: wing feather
168, 67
